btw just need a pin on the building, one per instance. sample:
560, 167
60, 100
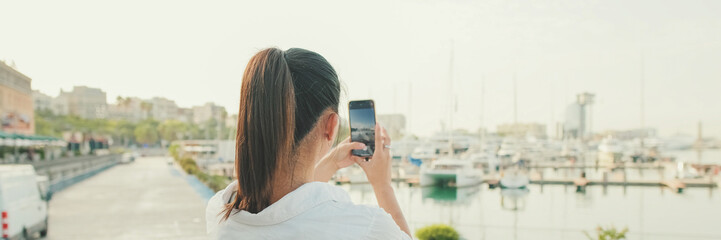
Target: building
206, 112
631, 134
85, 102
395, 124
231, 121
59, 105
42, 101
131, 109
185, 115
522, 130
163, 109
578, 120
16, 102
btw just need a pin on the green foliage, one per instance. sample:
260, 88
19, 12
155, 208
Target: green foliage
609, 233
174, 151
215, 182
126, 133
147, 132
189, 165
172, 130
437, 232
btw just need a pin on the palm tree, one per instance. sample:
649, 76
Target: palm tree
147, 106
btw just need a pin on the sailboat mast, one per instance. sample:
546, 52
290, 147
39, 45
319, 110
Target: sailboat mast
483, 112
452, 105
643, 120
515, 101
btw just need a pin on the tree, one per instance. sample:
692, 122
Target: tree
210, 129
146, 132
172, 130
147, 106
124, 131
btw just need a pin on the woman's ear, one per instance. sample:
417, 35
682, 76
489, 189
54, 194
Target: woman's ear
331, 126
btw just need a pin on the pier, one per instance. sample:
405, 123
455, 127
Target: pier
147, 199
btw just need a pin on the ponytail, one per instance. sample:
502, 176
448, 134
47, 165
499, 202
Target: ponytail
282, 95
266, 123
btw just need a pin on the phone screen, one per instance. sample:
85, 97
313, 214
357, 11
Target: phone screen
362, 126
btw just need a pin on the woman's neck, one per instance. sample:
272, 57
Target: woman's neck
294, 175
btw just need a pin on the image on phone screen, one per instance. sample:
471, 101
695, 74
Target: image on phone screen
362, 126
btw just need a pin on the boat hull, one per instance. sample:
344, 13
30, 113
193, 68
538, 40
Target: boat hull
459, 179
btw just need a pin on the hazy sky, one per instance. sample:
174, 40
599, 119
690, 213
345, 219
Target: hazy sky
195, 52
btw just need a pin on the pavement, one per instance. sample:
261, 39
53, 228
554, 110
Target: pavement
146, 199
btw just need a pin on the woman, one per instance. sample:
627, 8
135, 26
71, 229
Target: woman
287, 123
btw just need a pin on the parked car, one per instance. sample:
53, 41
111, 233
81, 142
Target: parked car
127, 158
23, 203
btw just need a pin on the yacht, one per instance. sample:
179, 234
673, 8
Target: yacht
514, 180
610, 151
454, 172
508, 148
489, 160
681, 170
425, 152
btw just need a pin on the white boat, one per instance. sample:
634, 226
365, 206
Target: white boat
425, 152
458, 173
514, 180
610, 151
509, 148
681, 170
488, 159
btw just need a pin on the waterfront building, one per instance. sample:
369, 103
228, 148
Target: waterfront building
185, 115
131, 109
16, 102
59, 105
231, 121
163, 109
579, 121
42, 101
522, 130
208, 111
85, 102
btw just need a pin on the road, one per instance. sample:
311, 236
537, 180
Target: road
147, 199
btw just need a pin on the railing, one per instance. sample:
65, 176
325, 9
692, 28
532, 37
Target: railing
64, 172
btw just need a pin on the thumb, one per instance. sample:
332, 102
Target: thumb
356, 145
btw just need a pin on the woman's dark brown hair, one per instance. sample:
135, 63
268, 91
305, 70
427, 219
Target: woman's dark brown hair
281, 97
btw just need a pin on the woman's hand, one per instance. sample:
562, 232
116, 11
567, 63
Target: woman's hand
378, 168
337, 158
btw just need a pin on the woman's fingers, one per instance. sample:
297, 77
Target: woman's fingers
386, 141
378, 135
386, 137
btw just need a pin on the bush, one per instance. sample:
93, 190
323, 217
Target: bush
217, 182
609, 233
174, 151
437, 232
189, 165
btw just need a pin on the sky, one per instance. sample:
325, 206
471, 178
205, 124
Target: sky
413, 57
361, 118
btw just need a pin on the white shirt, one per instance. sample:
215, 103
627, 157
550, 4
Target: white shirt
315, 210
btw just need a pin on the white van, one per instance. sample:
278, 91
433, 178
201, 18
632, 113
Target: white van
24, 208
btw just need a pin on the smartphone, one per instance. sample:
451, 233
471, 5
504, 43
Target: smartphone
362, 126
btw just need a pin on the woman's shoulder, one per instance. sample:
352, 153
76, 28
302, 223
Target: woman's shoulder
375, 222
